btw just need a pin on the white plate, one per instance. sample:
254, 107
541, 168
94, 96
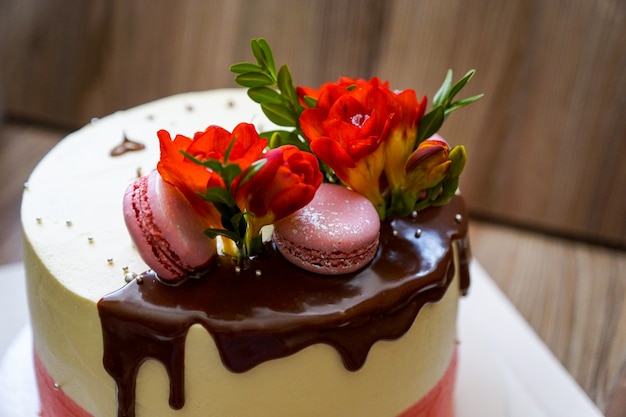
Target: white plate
504, 369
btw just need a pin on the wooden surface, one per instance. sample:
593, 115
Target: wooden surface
572, 293
546, 144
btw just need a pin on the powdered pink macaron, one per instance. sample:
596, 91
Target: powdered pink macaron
336, 233
168, 233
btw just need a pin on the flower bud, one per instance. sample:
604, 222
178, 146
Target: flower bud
458, 156
428, 165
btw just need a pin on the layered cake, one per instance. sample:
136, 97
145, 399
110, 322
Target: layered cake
299, 292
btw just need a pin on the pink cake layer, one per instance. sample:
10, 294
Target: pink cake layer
438, 402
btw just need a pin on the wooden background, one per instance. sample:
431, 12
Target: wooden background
546, 144
546, 180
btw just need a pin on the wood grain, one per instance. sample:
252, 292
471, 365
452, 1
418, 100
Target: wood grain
546, 144
573, 294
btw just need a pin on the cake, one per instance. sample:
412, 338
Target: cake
249, 337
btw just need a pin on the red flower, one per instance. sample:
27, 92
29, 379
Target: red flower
351, 120
285, 182
403, 136
192, 178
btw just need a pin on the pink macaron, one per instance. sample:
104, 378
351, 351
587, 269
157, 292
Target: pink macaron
336, 233
166, 230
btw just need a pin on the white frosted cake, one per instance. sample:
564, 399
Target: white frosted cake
206, 255
379, 342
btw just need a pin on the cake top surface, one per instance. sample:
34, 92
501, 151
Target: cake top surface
72, 202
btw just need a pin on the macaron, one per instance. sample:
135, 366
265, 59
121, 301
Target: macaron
336, 233
167, 231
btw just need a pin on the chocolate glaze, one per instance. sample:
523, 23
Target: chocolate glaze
127, 145
254, 318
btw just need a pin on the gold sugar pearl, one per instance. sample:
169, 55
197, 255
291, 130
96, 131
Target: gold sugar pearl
90, 239
395, 233
414, 214
458, 218
125, 269
38, 220
110, 261
26, 185
418, 232
68, 223
258, 273
128, 277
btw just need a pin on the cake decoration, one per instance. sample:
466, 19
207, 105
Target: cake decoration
336, 233
127, 145
359, 133
378, 142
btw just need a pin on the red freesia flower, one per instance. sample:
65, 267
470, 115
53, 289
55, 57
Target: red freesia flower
351, 120
402, 138
286, 181
192, 178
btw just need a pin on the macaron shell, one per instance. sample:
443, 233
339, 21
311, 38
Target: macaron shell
179, 223
336, 233
168, 233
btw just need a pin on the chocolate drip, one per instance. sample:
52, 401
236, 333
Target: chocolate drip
127, 145
253, 319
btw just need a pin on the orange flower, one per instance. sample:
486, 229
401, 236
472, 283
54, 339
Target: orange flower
351, 120
286, 180
193, 179
403, 136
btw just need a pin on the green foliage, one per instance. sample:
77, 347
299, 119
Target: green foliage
444, 104
273, 90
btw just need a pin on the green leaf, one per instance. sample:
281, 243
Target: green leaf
229, 172
282, 137
269, 56
462, 103
279, 114
218, 195
449, 188
252, 170
212, 164
441, 95
239, 221
253, 79
311, 102
244, 67
265, 95
460, 84
285, 84
213, 233
430, 124
263, 54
